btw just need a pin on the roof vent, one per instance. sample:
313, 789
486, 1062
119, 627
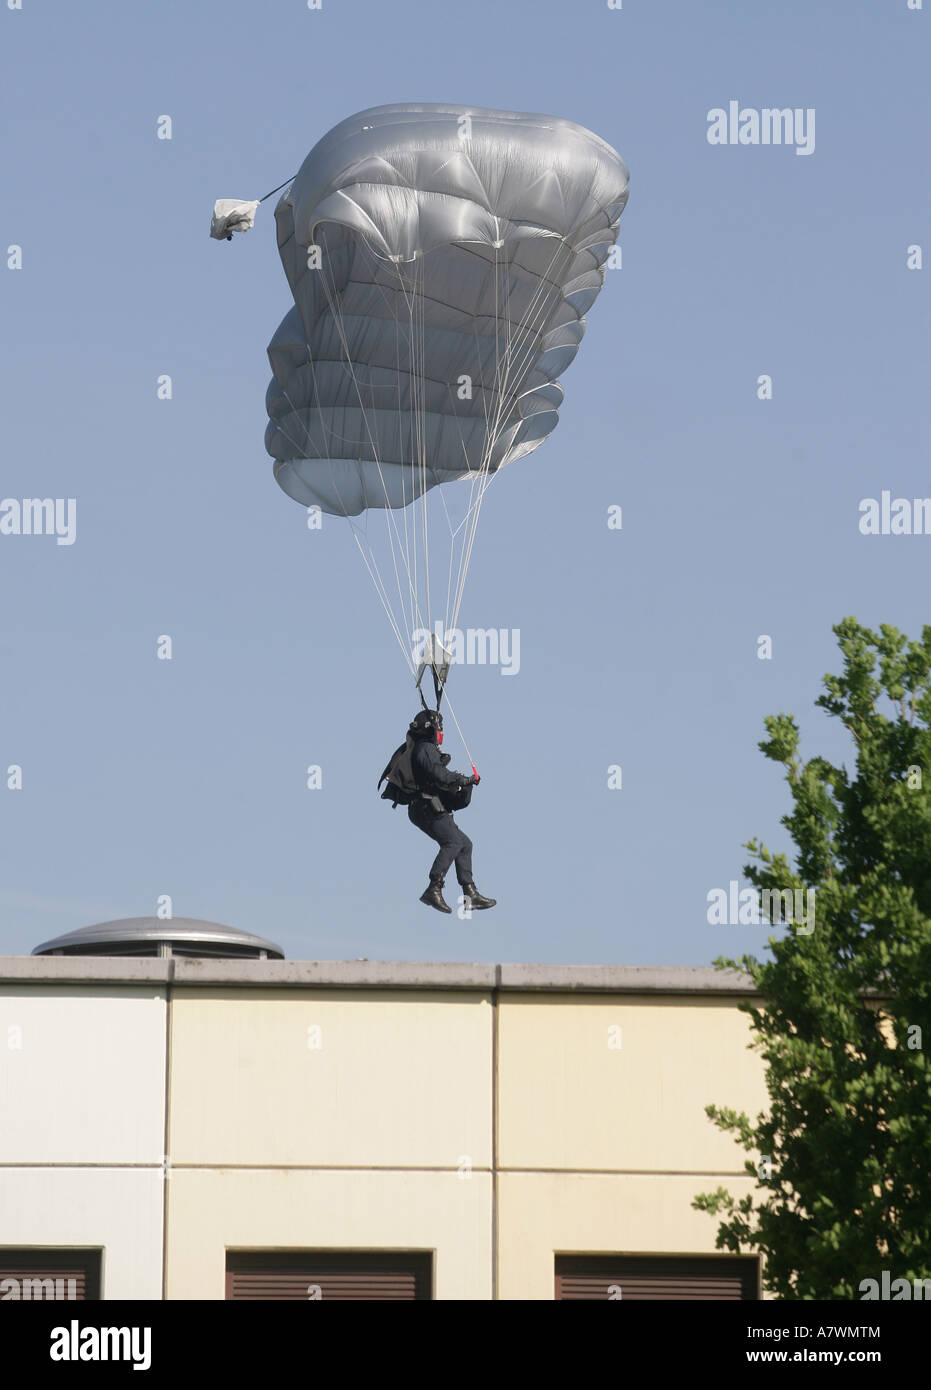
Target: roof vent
152, 936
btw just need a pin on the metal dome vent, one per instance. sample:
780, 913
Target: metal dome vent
153, 936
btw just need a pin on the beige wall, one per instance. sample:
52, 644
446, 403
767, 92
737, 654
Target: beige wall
350, 1081
211, 1211
542, 1215
570, 1098
618, 1085
399, 1079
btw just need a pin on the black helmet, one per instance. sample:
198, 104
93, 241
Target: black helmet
426, 722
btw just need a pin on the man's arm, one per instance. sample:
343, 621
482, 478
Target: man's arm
440, 775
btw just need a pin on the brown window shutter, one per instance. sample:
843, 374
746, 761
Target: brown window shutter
50, 1276
328, 1275
671, 1277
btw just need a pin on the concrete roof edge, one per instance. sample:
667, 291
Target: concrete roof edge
336, 974
85, 970
626, 979
189, 971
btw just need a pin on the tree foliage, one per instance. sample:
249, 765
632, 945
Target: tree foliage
842, 1020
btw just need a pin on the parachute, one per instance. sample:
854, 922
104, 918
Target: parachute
441, 261
232, 215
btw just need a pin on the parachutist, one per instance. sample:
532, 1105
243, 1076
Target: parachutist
418, 776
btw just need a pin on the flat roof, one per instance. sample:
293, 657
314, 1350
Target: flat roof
195, 971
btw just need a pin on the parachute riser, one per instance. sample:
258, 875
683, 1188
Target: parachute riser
437, 660
438, 687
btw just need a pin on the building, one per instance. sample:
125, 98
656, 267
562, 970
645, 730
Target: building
189, 1116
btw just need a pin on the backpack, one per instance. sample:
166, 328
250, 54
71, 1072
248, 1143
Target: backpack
456, 798
401, 789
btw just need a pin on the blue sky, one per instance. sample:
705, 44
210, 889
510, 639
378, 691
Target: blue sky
638, 647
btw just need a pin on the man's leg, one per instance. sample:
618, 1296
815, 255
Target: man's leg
463, 857
442, 829
447, 834
471, 897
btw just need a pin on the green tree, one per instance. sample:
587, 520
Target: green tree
842, 1020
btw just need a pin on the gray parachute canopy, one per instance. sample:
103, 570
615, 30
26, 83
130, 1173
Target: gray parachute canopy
441, 260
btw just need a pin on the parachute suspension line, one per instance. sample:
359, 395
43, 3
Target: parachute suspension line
380, 590
404, 516
370, 562
502, 367
527, 330
337, 313
418, 423
415, 361
418, 444
415, 364
481, 477
453, 533
410, 551
376, 575
519, 341
415, 299
501, 405
475, 476
459, 730
484, 470
422, 428
389, 317
408, 361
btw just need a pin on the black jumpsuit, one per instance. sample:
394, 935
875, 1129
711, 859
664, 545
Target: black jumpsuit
428, 815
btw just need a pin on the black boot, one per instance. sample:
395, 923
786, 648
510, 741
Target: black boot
473, 898
433, 896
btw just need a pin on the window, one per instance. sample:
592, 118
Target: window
54, 1276
328, 1275
656, 1277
